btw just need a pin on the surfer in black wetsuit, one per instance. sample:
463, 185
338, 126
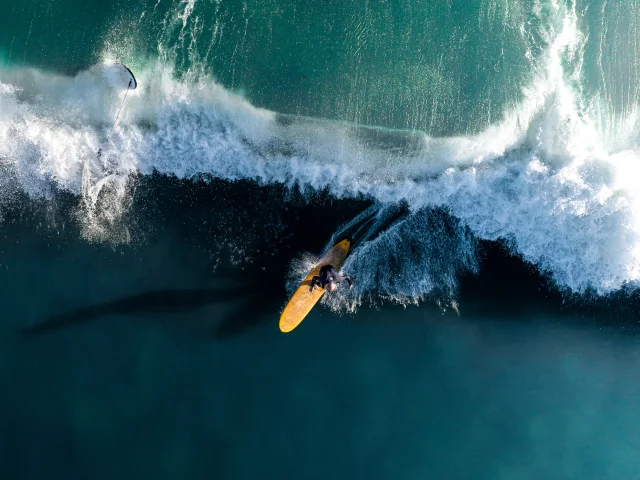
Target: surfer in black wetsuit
329, 279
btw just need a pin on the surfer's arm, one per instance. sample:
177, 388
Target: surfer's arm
314, 280
348, 279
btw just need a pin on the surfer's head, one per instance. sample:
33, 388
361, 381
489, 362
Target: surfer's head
331, 286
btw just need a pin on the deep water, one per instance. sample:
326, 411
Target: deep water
154, 360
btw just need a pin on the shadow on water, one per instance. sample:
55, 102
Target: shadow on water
509, 289
244, 320
264, 307
260, 311
236, 321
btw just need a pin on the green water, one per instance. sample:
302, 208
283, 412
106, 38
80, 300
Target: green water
402, 64
444, 67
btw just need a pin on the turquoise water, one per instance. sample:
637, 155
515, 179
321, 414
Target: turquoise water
482, 155
403, 64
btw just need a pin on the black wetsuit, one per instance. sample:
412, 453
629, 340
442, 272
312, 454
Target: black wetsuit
327, 275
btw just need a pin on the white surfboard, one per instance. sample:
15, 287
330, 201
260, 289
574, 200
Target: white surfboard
119, 76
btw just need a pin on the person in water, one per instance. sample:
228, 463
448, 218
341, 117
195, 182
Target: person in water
329, 279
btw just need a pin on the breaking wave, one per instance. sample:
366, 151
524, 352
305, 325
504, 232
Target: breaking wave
555, 178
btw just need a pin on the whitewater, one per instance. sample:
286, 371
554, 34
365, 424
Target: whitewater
555, 179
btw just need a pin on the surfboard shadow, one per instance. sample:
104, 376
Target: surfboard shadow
154, 302
243, 321
262, 308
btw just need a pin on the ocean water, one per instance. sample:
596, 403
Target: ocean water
483, 156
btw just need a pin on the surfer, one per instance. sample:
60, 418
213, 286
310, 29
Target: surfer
329, 279
302, 301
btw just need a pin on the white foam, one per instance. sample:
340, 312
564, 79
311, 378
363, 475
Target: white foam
542, 178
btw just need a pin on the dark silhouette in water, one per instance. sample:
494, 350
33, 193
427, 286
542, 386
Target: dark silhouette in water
245, 319
265, 307
155, 302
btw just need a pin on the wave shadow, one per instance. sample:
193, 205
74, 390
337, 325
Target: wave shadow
154, 302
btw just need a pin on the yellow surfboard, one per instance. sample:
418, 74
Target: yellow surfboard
303, 300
